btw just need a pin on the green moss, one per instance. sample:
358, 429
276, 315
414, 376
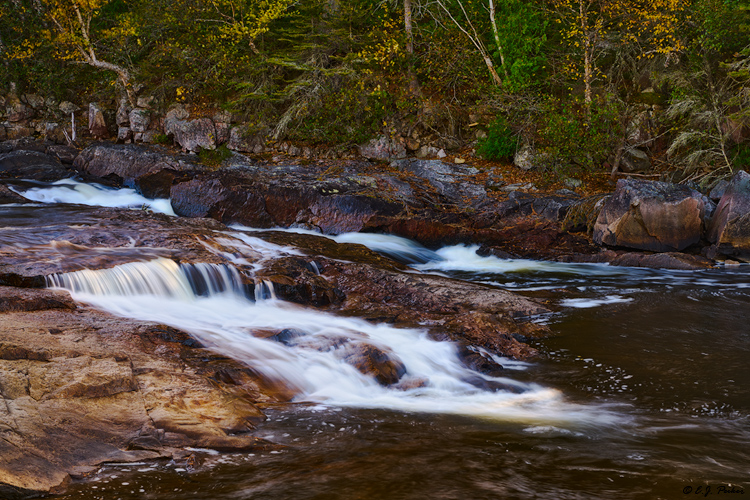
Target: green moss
214, 157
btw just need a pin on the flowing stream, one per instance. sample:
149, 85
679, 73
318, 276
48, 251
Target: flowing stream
642, 390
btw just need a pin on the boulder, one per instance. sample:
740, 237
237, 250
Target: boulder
450, 180
17, 111
717, 192
370, 360
192, 135
634, 160
730, 227
34, 165
124, 135
382, 148
149, 171
97, 124
33, 100
140, 119
650, 215
16, 131
122, 117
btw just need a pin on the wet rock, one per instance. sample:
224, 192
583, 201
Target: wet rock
97, 124
7, 196
450, 181
382, 149
473, 358
730, 227
22, 164
80, 388
150, 171
287, 336
650, 215
294, 281
665, 260
66, 154
370, 360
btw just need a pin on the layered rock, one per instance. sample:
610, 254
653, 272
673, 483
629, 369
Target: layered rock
80, 388
730, 227
650, 215
150, 171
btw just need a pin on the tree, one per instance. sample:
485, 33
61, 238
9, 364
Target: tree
593, 27
73, 35
243, 21
463, 22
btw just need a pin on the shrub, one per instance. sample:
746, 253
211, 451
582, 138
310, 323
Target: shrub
500, 144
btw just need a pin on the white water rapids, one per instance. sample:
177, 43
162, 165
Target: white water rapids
211, 303
208, 301
72, 191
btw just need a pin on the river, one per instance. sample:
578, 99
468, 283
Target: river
641, 391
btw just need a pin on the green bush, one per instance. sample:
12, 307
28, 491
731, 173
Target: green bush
576, 137
500, 144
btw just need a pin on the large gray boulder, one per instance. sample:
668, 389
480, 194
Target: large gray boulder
650, 215
730, 226
191, 135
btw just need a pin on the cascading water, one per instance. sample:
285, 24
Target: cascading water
208, 301
72, 191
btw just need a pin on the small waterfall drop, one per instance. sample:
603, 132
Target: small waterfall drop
311, 354
72, 191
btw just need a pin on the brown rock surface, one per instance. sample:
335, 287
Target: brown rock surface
80, 388
650, 215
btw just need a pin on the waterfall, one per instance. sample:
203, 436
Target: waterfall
72, 191
312, 352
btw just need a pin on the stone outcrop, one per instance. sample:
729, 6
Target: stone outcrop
192, 135
79, 388
730, 227
650, 215
150, 171
35, 165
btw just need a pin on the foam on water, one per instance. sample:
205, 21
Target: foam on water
465, 258
313, 363
396, 247
72, 191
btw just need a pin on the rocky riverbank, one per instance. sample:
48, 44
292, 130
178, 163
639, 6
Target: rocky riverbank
81, 387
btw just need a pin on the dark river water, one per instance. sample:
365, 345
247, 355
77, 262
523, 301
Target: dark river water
665, 352
652, 368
